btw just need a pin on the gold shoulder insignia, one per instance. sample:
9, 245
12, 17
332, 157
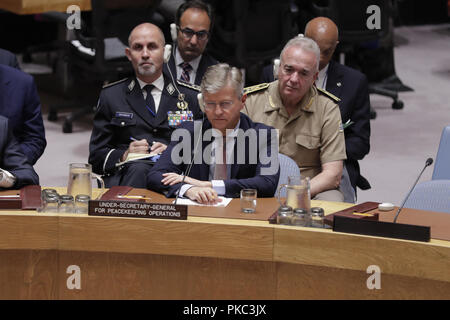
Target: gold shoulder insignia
189, 85
329, 95
113, 83
256, 88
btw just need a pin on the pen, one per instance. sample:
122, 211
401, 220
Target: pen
134, 139
134, 197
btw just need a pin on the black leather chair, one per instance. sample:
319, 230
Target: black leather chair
96, 55
355, 35
250, 33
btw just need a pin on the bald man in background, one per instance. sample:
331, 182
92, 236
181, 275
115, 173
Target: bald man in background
350, 86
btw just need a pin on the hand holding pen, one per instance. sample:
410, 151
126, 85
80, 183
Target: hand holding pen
142, 146
136, 146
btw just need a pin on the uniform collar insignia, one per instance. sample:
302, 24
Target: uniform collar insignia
131, 85
170, 88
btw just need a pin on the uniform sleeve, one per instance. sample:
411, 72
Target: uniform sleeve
332, 136
103, 153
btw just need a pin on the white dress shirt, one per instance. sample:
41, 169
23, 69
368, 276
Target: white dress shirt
219, 185
321, 81
156, 91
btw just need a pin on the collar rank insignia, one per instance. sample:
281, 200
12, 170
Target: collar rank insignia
170, 88
131, 85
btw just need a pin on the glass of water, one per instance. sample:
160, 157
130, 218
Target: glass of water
248, 200
82, 203
66, 204
51, 203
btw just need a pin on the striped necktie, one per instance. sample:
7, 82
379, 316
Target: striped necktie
187, 68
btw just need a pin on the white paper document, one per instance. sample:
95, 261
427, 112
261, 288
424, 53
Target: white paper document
189, 202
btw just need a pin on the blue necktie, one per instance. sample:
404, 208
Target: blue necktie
149, 102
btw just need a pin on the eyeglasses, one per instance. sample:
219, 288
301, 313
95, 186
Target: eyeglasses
189, 33
224, 105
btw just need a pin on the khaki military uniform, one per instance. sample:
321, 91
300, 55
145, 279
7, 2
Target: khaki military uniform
313, 135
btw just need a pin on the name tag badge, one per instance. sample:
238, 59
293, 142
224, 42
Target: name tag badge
178, 117
124, 115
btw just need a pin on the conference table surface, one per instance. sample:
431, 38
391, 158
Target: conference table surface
40, 6
210, 258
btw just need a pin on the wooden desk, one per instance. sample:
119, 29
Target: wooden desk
209, 258
40, 6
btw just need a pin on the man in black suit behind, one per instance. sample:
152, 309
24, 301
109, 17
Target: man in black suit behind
194, 20
351, 87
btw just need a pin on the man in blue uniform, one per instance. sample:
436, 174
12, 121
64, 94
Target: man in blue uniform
133, 114
19, 102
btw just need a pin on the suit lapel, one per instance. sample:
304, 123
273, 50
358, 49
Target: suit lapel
136, 101
201, 70
334, 81
6, 92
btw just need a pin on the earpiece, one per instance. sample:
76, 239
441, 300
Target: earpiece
200, 102
173, 32
167, 52
276, 66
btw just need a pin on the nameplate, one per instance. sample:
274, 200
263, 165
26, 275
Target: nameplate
134, 209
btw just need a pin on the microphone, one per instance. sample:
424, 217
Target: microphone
427, 163
188, 170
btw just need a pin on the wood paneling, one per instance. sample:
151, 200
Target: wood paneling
317, 282
140, 276
24, 231
135, 235
354, 252
28, 274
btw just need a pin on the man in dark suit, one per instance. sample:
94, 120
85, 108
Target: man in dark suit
132, 114
189, 61
15, 170
19, 102
351, 87
231, 162
9, 59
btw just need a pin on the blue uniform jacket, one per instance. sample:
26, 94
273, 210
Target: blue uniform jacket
122, 114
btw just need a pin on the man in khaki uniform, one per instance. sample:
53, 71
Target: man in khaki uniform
308, 119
